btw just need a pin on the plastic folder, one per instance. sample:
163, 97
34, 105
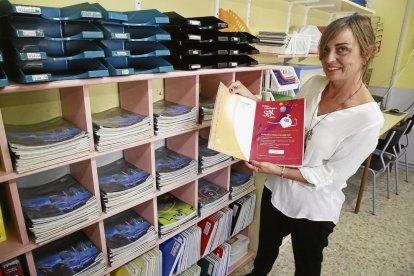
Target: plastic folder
111, 16
38, 71
125, 48
26, 27
151, 17
36, 49
83, 11
147, 33
128, 66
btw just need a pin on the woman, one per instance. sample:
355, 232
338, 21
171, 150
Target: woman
341, 129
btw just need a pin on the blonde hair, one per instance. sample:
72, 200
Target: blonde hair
361, 28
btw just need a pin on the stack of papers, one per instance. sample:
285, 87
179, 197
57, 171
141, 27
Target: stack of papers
127, 234
173, 214
57, 208
210, 196
240, 182
147, 264
272, 42
116, 127
215, 229
74, 255
208, 158
120, 183
243, 212
171, 117
206, 109
172, 167
46, 143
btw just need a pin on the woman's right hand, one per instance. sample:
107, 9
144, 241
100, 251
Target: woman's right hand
238, 88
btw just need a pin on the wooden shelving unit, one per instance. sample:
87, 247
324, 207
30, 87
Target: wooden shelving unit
135, 94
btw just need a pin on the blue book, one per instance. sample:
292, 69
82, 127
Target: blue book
171, 251
124, 228
66, 256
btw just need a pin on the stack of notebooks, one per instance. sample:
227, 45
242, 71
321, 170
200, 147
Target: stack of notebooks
240, 182
116, 127
194, 270
46, 143
273, 42
3, 77
217, 262
210, 196
206, 109
215, 230
181, 252
55, 208
172, 167
173, 214
120, 183
243, 212
197, 42
127, 234
208, 158
48, 43
71, 255
147, 264
170, 117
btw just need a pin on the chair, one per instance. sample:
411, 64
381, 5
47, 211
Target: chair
399, 150
381, 160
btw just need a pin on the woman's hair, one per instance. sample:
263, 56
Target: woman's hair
361, 28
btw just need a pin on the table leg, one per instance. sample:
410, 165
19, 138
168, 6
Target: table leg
362, 184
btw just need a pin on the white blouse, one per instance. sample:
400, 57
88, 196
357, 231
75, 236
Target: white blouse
339, 145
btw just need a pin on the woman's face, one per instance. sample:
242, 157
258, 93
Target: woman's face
342, 60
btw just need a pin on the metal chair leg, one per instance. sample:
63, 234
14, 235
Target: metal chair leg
388, 182
396, 177
373, 193
406, 167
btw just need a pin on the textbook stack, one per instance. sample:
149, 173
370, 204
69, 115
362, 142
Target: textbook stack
240, 182
147, 264
206, 109
170, 117
210, 196
243, 212
127, 234
174, 213
181, 252
56, 208
121, 182
71, 255
43, 144
208, 158
117, 127
172, 167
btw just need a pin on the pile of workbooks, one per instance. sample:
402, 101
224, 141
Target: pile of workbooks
146, 264
117, 127
172, 167
240, 182
208, 158
46, 143
174, 213
171, 117
120, 183
210, 196
243, 212
127, 234
58, 207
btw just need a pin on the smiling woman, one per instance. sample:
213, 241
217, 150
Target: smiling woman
342, 123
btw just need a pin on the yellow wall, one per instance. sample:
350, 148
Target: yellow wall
406, 64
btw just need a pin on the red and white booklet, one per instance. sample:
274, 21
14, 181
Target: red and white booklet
271, 131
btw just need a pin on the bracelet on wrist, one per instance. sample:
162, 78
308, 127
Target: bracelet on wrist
282, 172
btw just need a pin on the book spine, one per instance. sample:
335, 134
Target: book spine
12, 267
3, 236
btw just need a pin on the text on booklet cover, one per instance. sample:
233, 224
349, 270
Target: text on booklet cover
271, 131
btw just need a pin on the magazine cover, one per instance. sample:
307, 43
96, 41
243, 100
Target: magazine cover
209, 192
116, 117
271, 131
124, 228
120, 175
44, 133
169, 109
172, 209
67, 256
167, 160
52, 199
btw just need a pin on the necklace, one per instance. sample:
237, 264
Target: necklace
309, 133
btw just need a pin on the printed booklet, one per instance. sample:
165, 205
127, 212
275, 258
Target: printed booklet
271, 131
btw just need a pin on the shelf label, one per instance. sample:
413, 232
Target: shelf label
27, 9
121, 53
33, 56
91, 14
31, 33
40, 77
125, 71
121, 36
234, 52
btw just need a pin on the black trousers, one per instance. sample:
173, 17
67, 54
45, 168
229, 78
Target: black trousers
309, 238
